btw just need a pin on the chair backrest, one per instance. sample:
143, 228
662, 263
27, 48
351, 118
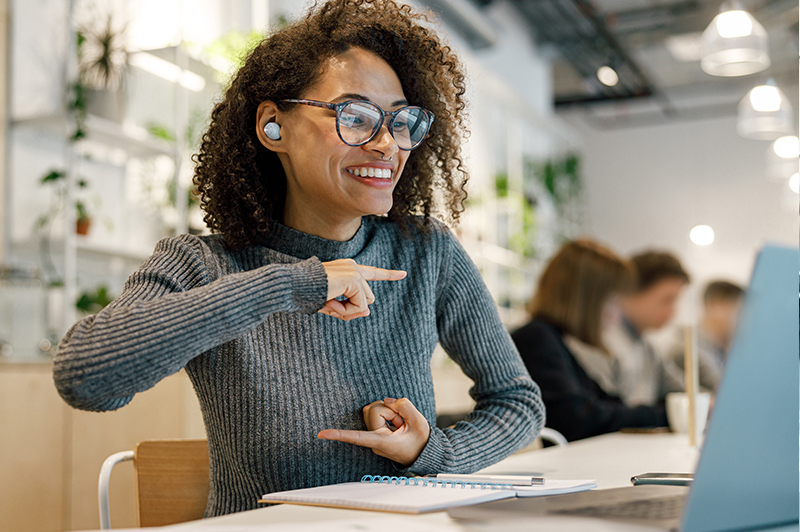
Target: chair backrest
171, 479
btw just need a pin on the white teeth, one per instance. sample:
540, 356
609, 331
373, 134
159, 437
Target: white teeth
381, 173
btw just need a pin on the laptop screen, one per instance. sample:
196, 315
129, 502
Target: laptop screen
746, 477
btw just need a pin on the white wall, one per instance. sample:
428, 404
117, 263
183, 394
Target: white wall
649, 186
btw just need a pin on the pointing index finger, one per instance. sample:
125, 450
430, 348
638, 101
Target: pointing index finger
371, 273
356, 437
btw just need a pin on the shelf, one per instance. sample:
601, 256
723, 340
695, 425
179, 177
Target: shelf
134, 140
85, 248
90, 248
480, 249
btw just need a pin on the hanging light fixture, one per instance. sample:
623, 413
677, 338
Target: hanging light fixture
734, 44
765, 113
782, 158
787, 147
794, 182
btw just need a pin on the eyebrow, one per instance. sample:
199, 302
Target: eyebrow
355, 96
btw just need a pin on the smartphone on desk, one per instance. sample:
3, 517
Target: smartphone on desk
664, 479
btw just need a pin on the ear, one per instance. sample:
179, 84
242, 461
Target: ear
268, 112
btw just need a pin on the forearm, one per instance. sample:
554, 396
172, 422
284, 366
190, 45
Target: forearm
500, 424
150, 332
509, 412
583, 418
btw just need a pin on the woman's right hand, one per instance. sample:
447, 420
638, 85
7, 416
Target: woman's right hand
349, 279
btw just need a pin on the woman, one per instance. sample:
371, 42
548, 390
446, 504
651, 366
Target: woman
294, 356
574, 297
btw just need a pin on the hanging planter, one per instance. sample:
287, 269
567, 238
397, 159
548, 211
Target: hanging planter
103, 61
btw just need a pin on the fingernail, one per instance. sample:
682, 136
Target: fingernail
389, 400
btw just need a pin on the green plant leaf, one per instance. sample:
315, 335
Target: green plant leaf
53, 176
501, 185
81, 212
94, 301
160, 131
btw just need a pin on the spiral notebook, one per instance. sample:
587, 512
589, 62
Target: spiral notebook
417, 495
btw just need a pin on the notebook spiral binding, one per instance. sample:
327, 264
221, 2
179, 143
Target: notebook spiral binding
433, 482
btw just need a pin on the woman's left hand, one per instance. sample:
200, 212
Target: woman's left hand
403, 443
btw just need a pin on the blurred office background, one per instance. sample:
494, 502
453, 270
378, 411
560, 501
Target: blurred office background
587, 118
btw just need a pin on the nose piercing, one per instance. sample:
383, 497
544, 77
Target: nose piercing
384, 157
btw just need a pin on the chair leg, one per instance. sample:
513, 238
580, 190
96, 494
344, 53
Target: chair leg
102, 485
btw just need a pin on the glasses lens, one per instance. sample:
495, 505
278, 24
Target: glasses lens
358, 121
409, 128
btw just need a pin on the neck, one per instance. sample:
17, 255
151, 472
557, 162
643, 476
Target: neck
714, 334
319, 222
632, 322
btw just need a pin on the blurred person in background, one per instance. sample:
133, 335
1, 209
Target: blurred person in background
642, 375
722, 301
574, 297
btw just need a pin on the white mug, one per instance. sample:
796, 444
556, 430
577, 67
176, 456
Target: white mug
678, 411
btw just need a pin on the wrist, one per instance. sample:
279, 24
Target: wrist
309, 285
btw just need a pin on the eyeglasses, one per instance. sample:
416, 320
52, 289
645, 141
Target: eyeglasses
358, 122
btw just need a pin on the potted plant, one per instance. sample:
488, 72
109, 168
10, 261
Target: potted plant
93, 301
82, 216
102, 62
83, 222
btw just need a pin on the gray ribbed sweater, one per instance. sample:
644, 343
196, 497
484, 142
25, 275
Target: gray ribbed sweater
270, 372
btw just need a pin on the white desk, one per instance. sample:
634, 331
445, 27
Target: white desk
611, 459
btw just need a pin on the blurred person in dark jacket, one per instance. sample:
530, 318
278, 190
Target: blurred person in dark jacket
576, 294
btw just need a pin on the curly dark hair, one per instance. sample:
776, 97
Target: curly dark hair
242, 185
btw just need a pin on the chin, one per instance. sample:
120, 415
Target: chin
376, 206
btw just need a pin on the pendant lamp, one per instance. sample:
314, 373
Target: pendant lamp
734, 44
765, 113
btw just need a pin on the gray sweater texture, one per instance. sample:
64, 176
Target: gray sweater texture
270, 372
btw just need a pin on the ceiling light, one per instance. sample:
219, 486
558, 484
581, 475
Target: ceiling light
607, 76
765, 113
794, 183
732, 24
734, 44
702, 235
765, 99
787, 147
781, 159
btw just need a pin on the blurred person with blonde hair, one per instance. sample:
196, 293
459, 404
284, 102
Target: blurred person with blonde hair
574, 297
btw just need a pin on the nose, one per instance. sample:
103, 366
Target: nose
383, 141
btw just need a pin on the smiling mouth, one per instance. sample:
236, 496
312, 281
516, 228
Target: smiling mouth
368, 171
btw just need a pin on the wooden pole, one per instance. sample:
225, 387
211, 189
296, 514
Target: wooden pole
692, 380
5, 83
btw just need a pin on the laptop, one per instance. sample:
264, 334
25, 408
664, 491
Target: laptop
747, 474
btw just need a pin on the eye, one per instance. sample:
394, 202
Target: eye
350, 120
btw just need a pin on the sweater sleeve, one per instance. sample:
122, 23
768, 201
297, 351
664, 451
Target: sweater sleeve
576, 406
168, 313
509, 412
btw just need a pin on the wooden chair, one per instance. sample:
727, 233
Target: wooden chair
171, 479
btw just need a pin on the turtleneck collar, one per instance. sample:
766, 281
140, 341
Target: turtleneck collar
303, 246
